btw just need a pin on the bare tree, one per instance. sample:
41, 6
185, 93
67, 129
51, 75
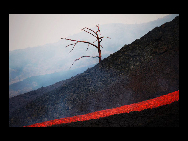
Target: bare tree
94, 34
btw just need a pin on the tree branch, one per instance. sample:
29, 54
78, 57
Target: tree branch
82, 57
89, 29
78, 42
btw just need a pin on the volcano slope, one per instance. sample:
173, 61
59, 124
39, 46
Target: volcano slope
145, 69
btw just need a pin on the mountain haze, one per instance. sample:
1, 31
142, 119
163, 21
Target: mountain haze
144, 69
28, 66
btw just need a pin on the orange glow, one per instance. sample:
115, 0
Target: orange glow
151, 103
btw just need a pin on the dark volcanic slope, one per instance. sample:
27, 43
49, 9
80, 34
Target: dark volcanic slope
144, 69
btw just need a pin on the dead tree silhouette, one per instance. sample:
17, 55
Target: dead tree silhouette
93, 33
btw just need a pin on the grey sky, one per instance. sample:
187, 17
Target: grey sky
31, 30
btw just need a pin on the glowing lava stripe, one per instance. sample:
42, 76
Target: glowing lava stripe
151, 103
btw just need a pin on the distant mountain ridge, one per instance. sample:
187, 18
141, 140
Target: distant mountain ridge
144, 69
35, 82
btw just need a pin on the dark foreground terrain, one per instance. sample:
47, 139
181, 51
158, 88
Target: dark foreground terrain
164, 116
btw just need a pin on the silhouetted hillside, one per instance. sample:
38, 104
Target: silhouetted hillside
27, 65
144, 69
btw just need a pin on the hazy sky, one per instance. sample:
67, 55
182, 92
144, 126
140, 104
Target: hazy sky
31, 30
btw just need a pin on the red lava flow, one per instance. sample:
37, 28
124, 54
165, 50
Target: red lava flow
151, 103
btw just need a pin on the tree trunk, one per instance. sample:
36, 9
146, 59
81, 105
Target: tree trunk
99, 56
99, 51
